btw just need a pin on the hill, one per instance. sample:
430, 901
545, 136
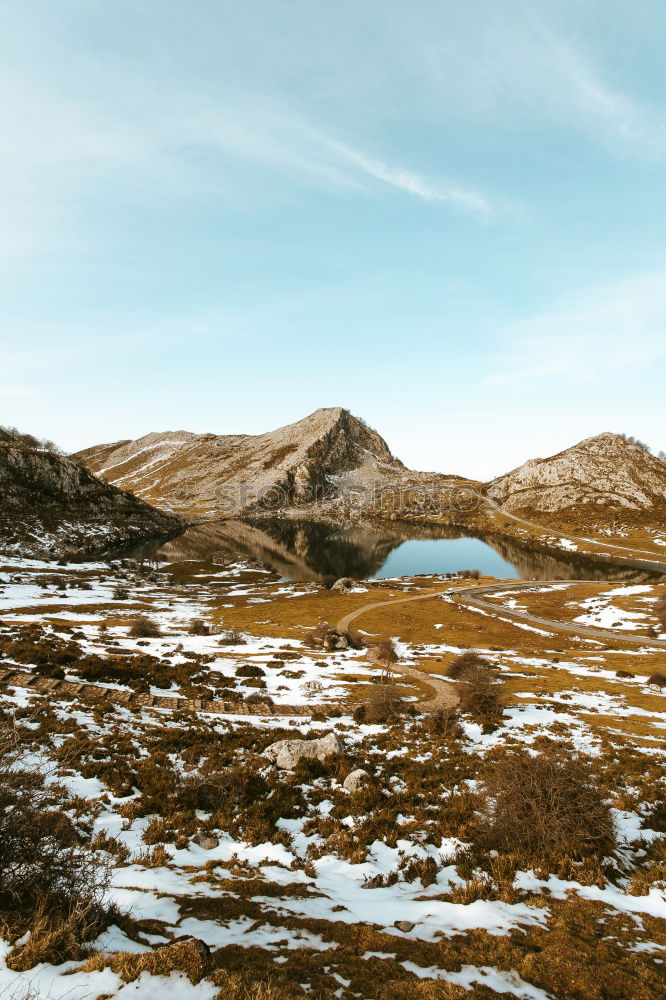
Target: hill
230, 474
605, 472
52, 506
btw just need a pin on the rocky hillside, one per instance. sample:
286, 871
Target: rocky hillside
53, 506
605, 471
228, 474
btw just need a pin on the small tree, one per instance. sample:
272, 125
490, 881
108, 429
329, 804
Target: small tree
385, 655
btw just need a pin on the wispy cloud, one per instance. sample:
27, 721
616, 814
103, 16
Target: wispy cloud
412, 183
584, 90
613, 327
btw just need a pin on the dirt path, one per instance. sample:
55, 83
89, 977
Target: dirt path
445, 696
467, 596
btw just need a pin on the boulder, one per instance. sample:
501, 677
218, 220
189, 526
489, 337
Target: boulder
356, 780
335, 640
287, 753
206, 841
404, 925
344, 584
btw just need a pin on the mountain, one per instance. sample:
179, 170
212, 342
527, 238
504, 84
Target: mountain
52, 506
606, 471
228, 474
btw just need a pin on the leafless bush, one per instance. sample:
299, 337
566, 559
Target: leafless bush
657, 680
384, 703
463, 663
145, 628
478, 688
199, 627
51, 881
546, 806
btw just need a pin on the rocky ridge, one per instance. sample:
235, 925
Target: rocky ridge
605, 471
52, 506
225, 475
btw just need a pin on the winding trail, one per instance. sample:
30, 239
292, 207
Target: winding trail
467, 596
445, 696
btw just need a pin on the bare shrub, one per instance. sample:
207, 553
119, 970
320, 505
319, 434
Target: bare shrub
445, 722
384, 703
478, 688
660, 611
546, 806
465, 662
145, 628
51, 881
657, 680
199, 627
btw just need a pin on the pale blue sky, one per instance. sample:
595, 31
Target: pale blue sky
448, 217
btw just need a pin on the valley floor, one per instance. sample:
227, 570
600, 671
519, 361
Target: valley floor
145, 698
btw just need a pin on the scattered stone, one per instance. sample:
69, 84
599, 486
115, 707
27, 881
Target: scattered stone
404, 925
287, 753
356, 780
334, 640
206, 841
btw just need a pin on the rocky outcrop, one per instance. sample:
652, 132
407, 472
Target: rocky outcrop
53, 507
232, 474
286, 754
604, 471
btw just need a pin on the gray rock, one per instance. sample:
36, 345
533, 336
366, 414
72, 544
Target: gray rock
206, 840
287, 753
344, 584
356, 780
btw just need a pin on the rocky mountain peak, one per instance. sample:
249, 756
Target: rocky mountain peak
230, 474
604, 470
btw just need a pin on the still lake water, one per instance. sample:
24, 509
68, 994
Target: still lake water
314, 550
445, 555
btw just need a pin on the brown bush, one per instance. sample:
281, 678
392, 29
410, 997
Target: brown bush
464, 663
479, 696
384, 703
198, 627
51, 881
546, 806
145, 628
657, 680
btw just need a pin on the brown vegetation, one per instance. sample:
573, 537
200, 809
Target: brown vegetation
545, 806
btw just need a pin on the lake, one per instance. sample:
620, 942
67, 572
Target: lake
316, 550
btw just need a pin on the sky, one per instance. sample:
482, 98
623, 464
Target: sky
446, 217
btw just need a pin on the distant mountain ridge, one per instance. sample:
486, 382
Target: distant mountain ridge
229, 474
329, 458
606, 470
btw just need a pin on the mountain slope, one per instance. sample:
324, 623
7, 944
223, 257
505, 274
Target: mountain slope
228, 474
605, 471
51, 506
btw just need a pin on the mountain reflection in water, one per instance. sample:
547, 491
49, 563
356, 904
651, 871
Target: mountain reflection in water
314, 550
